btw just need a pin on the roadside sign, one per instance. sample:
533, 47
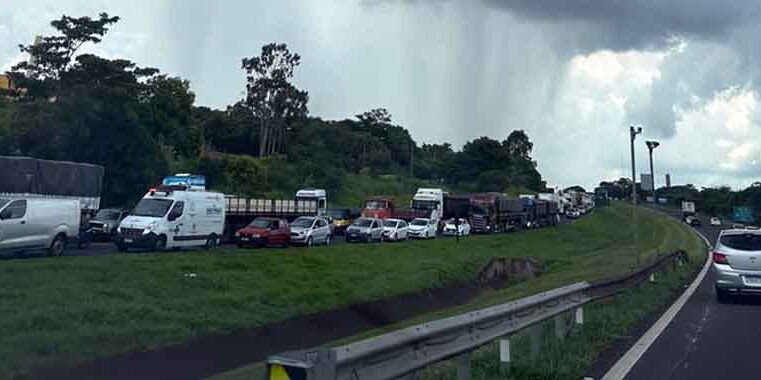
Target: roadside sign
743, 215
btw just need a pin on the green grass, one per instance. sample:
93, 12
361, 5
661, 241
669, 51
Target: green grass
605, 322
356, 187
56, 311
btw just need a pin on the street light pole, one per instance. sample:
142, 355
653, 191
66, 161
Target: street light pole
651, 145
633, 132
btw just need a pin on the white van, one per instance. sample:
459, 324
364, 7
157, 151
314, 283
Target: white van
170, 217
30, 224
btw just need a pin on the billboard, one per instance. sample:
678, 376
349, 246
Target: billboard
647, 182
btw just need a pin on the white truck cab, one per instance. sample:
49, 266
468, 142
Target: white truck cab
318, 195
173, 217
430, 199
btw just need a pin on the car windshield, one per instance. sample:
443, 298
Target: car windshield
260, 223
338, 214
303, 222
375, 205
742, 242
419, 222
363, 222
390, 223
152, 207
107, 215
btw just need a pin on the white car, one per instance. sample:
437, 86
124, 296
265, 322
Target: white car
715, 221
452, 229
423, 228
395, 230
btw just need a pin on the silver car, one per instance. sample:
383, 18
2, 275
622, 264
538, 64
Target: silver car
737, 262
366, 230
105, 222
307, 230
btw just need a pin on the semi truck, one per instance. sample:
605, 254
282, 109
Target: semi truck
27, 177
426, 203
492, 212
240, 211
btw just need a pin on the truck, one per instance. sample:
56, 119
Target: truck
540, 213
382, 207
426, 203
27, 177
493, 212
486, 212
240, 211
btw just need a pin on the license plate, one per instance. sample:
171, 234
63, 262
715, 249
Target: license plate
244, 239
128, 240
752, 280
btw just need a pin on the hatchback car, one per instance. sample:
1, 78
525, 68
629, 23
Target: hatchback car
395, 230
453, 229
365, 229
262, 232
307, 230
737, 262
423, 228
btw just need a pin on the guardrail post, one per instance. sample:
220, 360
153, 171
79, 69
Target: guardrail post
652, 277
504, 352
560, 326
579, 317
536, 339
463, 366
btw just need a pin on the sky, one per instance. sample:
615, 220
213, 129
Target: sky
573, 74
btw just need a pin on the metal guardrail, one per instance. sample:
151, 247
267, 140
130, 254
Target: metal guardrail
400, 353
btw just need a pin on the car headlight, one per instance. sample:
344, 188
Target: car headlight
119, 229
150, 228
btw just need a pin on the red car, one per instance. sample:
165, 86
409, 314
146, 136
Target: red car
264, 231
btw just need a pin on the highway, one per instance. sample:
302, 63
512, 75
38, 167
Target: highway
706, 340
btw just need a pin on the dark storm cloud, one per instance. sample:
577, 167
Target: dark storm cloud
624, 24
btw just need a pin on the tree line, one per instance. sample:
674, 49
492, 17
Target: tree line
142, 124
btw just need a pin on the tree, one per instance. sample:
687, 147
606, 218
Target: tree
273, 100
374, 117
518, 146
53, 55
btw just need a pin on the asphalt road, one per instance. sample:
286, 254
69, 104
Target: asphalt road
706, 340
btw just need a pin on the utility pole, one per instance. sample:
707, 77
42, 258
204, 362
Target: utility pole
412, 160
633, 134
651, 145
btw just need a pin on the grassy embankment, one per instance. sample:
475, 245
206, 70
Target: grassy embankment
56, 311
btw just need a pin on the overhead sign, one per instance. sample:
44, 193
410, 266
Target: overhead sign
646, 181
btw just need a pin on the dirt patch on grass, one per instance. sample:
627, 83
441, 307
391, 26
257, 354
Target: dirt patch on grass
211, 354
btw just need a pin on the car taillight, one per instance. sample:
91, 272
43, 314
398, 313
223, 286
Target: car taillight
720, 258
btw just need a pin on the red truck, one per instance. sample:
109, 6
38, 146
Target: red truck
383, 208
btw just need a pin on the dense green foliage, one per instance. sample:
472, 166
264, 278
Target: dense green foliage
141, 125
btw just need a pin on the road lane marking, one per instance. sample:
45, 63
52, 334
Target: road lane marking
630, 358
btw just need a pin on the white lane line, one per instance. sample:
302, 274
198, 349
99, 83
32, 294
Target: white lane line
630, 358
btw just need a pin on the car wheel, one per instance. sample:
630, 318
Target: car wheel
57, 246
121, 247
327, 240
211, 242
160, 244
722, 296
310, 242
